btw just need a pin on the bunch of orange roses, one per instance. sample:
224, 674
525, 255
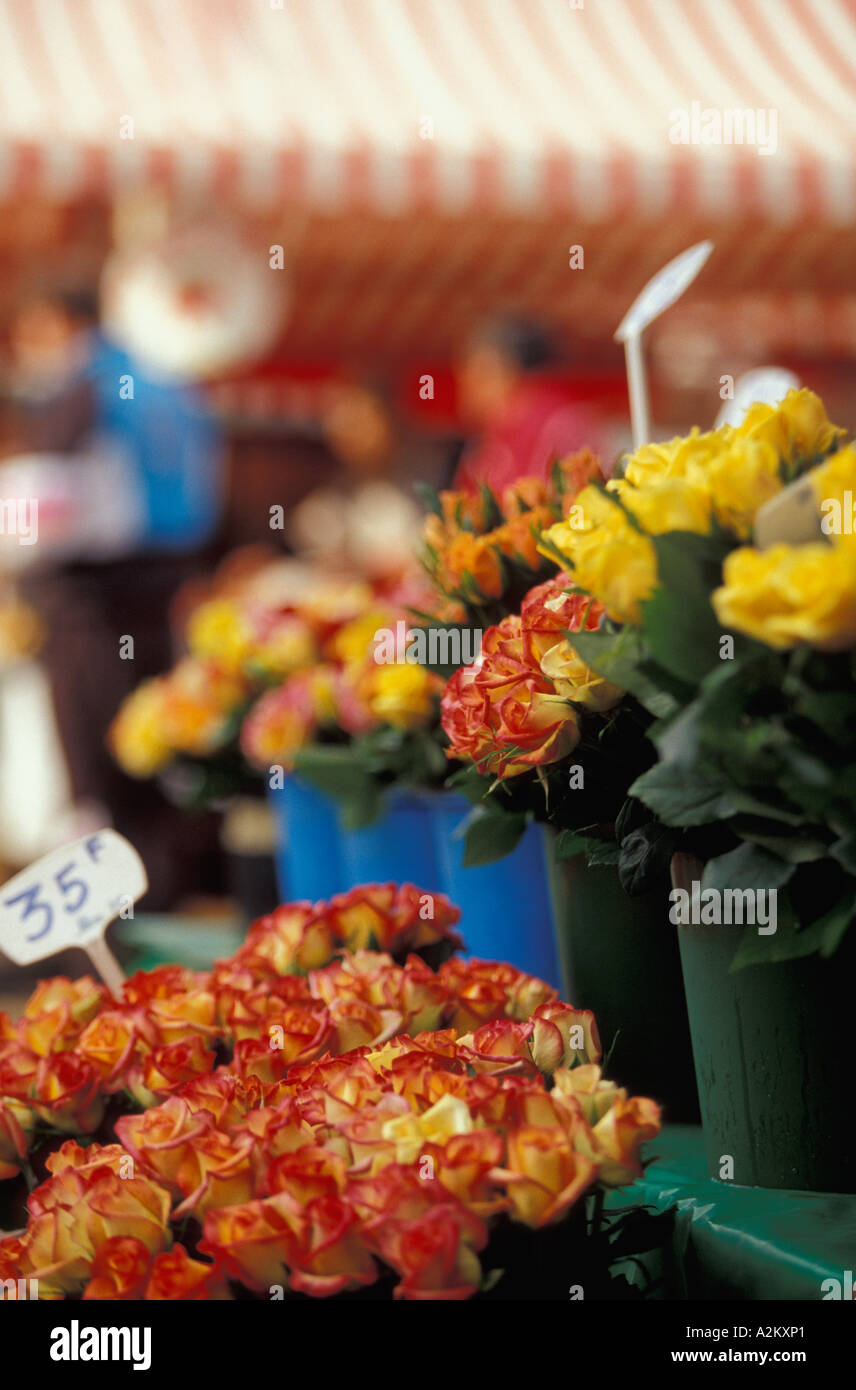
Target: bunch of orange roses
319, 1113
481, 551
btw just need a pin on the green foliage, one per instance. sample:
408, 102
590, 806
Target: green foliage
356, 772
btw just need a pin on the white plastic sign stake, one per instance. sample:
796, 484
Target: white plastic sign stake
68, 897
659, 294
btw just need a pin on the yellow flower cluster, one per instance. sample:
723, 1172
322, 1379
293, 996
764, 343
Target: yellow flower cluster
187, 711
720, 478
221, 630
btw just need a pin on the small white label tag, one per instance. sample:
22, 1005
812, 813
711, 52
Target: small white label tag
663, 289
769, 385
68, 897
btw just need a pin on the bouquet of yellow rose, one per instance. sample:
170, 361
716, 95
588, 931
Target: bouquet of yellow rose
322, 1113
743, 653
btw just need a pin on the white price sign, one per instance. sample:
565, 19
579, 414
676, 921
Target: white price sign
68, 897
659, 293
662, 291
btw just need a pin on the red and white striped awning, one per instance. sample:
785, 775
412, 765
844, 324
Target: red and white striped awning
427, 161
512, 106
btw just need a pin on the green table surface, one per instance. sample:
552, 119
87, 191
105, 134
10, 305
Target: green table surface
154, 939
732, 1242
720, 1242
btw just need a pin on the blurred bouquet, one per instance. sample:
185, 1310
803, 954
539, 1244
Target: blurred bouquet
265, 687
321, 1113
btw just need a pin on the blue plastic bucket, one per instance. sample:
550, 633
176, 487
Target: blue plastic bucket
506, 911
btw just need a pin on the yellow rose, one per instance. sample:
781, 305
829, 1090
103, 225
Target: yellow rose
402, 695
576, 681
136, 736
831, 481
739, 480
353, 642
790, 594
218, 631
654, 462
288, 647
610, 559
410, 1133
673, 504
798, 429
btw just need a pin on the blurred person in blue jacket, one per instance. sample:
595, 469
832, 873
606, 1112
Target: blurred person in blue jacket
145, 462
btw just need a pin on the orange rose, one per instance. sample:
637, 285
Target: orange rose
184, 1015
58, 1011
502, 713
518, 538
225, 1096
575, 472
117, 1206
464, 1164
292, 936
307, 1172
549, 611
119, 1270
17, 1121
114, 1042
67, 1093
72, 1157
168, 1068
618, 1136
18, 1067
325, 1252
584, 1087
544, 1176
356, 1024
498, 1047
162, 1139
216, 1171
435, 1254
563, 1035
522, 496
250, 1242
56, 1251
174, 1275
423, 999
161, 983
472, 562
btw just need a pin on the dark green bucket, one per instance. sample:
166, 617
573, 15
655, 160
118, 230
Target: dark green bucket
619, 958
772, 1045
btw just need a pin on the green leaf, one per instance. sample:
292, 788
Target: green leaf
335, 770
621, 657
796, 848
644, 857
844, 850
790, 942
748, 866
490, 835
601, 853
569, 844
492, 511
471, 783
429, 496
685, 797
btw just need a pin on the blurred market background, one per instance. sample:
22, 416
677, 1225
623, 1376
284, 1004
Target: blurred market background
299, 255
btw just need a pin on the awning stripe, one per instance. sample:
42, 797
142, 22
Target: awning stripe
536, 107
